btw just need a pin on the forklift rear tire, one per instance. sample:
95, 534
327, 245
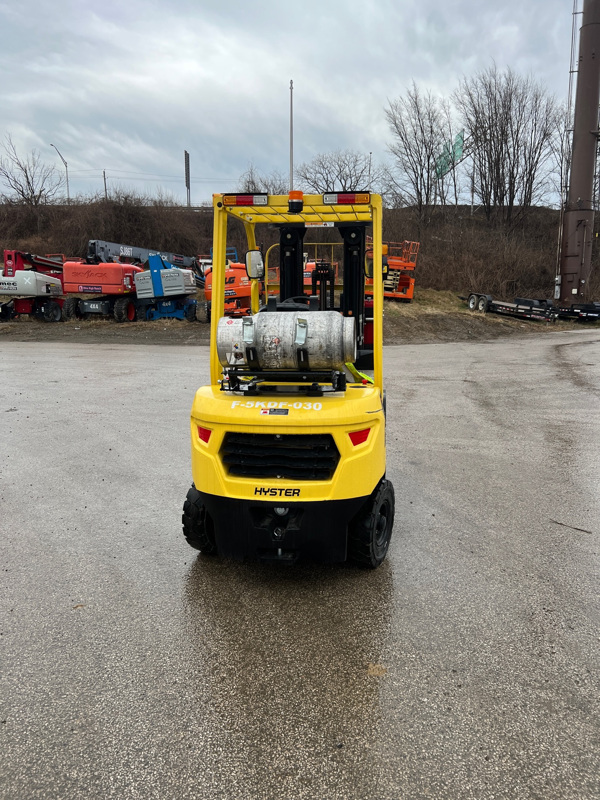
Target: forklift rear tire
124, 310
198, 527
371, 530
51, 312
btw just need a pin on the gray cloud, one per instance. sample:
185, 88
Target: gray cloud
126, 87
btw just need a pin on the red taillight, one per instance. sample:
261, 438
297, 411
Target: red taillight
204, 434
358, 437
347, 198
245, 199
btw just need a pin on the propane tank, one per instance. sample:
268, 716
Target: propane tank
305, 340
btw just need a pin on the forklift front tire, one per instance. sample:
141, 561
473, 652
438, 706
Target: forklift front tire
371, 530
198, 527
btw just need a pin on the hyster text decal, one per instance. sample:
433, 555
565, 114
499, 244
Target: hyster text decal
276, 492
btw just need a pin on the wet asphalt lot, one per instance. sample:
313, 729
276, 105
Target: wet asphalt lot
465, 667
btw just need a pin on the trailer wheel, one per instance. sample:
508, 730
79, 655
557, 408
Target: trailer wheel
472, 302
51, 312
124, 310
371, 530
189, 312
70, 309
198, 527
482, 304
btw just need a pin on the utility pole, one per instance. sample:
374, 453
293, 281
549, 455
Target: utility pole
66, 170
578, 213
105, 192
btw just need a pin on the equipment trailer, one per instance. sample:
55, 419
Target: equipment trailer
522, 308
525, 308
288, 440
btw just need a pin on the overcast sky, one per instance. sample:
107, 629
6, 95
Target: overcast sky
126, 86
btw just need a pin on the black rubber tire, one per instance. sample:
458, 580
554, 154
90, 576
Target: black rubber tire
70, 309
370, 531
189, 312
124, 310
52, 312
141, 313
198, 527
472, 302
203, 311
482, 304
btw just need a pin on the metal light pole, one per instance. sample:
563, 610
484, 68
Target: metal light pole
291, 135
66, 170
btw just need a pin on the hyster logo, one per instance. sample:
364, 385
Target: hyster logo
276, 492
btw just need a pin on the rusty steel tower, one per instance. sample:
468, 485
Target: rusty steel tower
578, 210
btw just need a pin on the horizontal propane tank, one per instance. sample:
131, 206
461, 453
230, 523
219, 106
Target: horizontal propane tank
287, 340
28, 283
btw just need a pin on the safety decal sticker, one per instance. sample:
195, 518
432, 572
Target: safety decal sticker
282, 412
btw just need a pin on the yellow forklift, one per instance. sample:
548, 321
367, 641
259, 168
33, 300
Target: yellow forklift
288, 440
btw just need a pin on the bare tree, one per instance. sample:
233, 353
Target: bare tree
28, 180
343, 170
254, 181
417, 125
511, 122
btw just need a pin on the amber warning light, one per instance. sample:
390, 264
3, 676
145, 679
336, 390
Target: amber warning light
295, 201
245, 199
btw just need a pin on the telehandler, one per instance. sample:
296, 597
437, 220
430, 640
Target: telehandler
288, 440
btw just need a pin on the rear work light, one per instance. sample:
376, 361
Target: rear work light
358, 437
347, 198
245, 199
204, 434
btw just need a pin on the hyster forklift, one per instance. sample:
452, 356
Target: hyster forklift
288, 441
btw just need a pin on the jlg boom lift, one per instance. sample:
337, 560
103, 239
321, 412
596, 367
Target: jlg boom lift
288, 440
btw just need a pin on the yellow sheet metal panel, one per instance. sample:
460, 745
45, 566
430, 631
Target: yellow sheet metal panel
359, 468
